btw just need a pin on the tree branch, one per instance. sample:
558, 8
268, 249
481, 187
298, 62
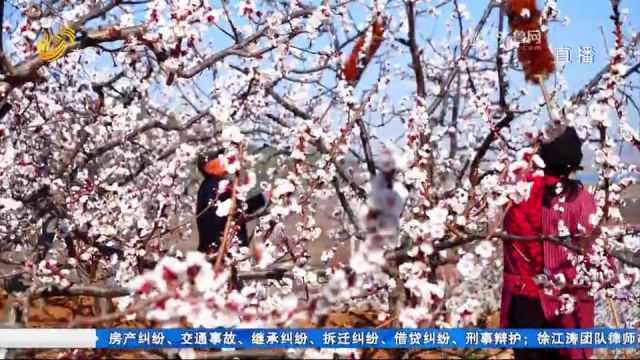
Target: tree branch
447, 83
79, 290
27, 70
364, 138
240, 47
462, 238
97, 291
236, 35
155, 124
1, 25
415, 51
345, 204
93, 321
509, 116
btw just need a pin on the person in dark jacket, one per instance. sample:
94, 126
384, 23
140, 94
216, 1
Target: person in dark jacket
210, 225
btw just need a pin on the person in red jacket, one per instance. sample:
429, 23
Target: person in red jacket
558, 206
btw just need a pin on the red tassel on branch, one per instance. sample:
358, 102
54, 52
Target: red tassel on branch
534, 55
355, 65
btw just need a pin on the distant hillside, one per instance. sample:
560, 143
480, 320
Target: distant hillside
631, 212
633, 192
592, 178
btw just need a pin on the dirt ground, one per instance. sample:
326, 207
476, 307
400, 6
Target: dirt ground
631, 211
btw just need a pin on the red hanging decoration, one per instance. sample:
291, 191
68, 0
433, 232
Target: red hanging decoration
535, 55
355, 65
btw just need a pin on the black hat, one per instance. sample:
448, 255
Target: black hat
564, 152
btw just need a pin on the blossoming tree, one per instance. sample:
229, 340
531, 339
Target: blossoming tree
421, 144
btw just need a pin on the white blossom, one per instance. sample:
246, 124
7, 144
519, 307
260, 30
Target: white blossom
468, 266
485, 249
233, 134
223, 208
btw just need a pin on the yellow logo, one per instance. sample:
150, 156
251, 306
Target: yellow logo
52, 47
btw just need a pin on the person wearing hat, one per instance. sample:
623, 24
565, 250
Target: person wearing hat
210, 225
556, 200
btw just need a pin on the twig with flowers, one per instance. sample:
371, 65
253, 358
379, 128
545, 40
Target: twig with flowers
232, 208
92, 322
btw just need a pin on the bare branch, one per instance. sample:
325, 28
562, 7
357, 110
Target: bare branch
415, 51
89, 322
447, 83
1, 25
345, 204
368, 153
509, 116
96, 291
225, 7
